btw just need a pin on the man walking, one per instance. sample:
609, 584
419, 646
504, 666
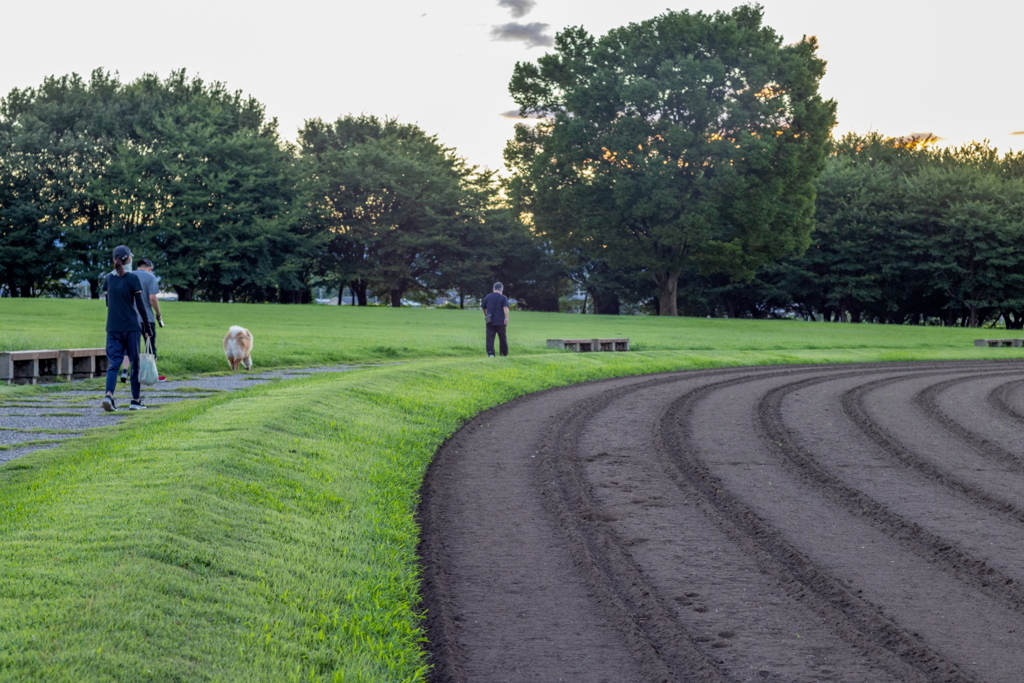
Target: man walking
150, 288
495, 307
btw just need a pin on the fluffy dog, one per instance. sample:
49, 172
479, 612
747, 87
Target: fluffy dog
238, 347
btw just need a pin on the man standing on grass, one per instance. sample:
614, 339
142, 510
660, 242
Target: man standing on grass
495, 307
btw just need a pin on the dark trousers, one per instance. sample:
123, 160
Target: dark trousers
503, 345
119, 345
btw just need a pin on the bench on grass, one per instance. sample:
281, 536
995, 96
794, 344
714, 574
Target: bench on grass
586, 345
999, 342
29, 367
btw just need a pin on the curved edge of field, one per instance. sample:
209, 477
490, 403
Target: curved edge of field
267, 535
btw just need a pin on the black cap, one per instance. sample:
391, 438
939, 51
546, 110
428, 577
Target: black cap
146, 262
122, 252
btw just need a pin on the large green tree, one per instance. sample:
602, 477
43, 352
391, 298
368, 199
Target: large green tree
31, 260
205, 186
967, 222
394, 202
58, 139
686, 141
183, 171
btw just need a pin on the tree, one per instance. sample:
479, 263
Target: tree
533, 273
185, 172
394, 201
31, 260
969, 239
907, 233
685, 140
858, 231
205, 187
61, 138
472, 249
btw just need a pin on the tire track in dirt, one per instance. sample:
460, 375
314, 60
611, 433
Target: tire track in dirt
621, 531
853, 406
856, 621
1001, 399
927, 400
916, 539
661, 645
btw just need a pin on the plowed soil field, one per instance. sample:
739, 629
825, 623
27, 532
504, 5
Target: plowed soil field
855, 523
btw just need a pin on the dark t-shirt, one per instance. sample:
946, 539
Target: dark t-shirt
495, 304
122, 316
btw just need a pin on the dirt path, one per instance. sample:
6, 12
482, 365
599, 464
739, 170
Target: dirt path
829, 523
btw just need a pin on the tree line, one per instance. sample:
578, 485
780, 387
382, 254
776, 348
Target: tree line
905, 233
681, 165
196, 178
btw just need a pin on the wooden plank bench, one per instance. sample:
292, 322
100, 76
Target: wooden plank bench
999, 342
29, 367
587, 345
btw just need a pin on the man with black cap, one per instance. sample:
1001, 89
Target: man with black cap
125, 309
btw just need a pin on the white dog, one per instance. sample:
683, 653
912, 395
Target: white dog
238, 347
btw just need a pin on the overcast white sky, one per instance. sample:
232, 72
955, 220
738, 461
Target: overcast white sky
952, 68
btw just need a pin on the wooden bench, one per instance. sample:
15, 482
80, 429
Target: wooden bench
29, 367
999, 342
586, 345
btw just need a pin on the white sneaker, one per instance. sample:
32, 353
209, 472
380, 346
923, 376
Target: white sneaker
108, 404
136, 405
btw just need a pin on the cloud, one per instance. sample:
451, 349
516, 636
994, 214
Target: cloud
520, 8
533, 34
514, 114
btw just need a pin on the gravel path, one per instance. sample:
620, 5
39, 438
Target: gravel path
822, 523
39, 422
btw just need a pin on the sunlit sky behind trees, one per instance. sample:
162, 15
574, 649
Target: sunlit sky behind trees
898, 67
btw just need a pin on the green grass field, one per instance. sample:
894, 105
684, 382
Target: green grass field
310, 335
269, 534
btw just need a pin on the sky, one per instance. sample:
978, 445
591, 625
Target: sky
898, 67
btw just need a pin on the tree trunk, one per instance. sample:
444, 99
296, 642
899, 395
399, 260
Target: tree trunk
396, 298
341, 293
668, 288
184, 293
604, 303
94, 288
358, 288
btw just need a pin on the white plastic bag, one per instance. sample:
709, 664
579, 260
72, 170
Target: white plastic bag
147, 365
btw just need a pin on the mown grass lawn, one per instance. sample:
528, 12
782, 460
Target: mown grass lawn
269, 535
311, 335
